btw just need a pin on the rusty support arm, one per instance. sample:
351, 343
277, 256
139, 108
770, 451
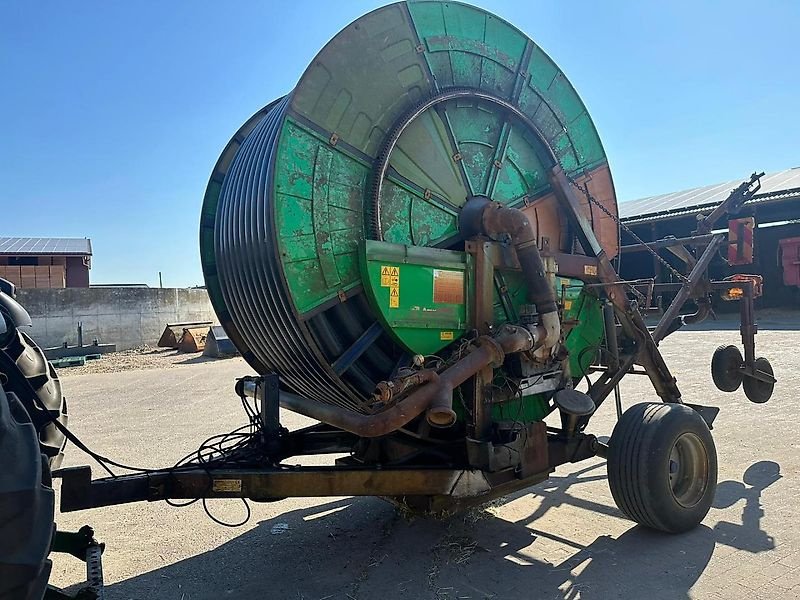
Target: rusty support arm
630, 318
665, 325
738, 196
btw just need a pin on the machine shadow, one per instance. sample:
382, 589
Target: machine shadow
364, 548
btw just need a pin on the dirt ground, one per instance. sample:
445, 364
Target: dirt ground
143, 357
562, 539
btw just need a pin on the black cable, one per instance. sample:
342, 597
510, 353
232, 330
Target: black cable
223, 523
207, 455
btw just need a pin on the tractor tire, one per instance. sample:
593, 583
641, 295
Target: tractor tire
34, 375
662, 466
726, 368
755, 390
28, 382
27, 505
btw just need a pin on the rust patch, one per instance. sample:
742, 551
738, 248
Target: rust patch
448, 287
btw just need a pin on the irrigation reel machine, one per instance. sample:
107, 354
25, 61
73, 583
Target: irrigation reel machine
415, 247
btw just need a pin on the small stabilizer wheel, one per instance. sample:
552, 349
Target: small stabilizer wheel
662, 466
756, 390
726, 368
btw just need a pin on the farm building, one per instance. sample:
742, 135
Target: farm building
776, 239
46, 262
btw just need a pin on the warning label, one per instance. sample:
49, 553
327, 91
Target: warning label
390, 276
394, 296
445, 335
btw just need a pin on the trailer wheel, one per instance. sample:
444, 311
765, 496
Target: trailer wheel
662, 466
759, 391
726, 366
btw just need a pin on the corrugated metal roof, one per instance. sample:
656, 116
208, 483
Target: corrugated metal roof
773, 186
20, 245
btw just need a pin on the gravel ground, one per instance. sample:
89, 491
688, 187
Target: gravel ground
563, 539
143, 357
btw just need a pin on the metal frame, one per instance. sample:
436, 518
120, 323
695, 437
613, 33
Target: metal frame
529, 453
539, 451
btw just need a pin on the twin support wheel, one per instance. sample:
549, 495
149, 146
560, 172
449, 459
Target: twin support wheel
729, 371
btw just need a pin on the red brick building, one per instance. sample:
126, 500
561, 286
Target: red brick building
46, 262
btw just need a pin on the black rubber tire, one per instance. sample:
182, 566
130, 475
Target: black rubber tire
639, 462
33, 371
755, 390
27, 505
726, 368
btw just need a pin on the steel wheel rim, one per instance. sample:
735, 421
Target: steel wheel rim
688, 470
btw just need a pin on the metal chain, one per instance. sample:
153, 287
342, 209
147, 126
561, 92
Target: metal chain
593, 200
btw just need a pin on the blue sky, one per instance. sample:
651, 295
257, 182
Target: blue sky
113, 113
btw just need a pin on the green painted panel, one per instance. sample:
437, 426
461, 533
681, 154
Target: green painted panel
408, 218
588, 148
465, 46
424, 155
319, 194
524, 410
429, 224
521, 172
419, 293
542, 70
477, 131
396, 212
584, 339
563, 118
378, 50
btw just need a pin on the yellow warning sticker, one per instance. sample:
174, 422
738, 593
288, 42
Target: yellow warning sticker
394, 296
590, 269
446, 335
567, 304
390, 276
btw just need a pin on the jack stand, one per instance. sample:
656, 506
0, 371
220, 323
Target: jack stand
82, 545
265, 389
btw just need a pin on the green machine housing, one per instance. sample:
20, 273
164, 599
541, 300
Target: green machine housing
423, 297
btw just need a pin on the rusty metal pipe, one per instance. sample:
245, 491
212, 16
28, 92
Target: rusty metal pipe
441, 413
435, 393
482, 216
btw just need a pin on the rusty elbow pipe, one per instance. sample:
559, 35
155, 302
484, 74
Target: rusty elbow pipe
434, 394
482, 216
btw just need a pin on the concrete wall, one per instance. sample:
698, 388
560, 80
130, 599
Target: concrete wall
127, 317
